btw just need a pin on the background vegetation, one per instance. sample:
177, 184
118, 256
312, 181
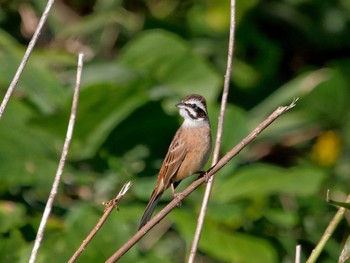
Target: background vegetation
142, 57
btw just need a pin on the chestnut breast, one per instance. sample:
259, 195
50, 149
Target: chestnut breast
198, 151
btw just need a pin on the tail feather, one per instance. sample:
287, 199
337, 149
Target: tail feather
150, 208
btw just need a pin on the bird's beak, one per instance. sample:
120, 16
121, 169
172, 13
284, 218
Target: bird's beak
179, 105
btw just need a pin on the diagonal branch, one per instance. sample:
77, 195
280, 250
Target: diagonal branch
26, 56
212, 171
61, 164
209, 186
109, 208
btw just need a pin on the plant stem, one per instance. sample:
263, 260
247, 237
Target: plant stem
209, 186
54, 188
26, 56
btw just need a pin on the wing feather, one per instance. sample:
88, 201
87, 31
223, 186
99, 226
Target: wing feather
172, 161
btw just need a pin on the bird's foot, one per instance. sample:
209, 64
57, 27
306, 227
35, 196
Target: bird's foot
205, 175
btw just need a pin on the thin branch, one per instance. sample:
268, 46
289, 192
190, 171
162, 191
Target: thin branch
209, 186
328, 232
109, 208
26, 56
298, 254
212, 171
61, 164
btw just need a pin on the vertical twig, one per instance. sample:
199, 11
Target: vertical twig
218, 135
298, 254
328, 232
26, 56
61, 164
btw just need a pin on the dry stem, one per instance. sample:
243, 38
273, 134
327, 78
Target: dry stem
61, 164
298, 254
109, 208
209, 186
26, 56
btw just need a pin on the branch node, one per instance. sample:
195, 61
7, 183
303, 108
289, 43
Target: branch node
109, 204
114, 201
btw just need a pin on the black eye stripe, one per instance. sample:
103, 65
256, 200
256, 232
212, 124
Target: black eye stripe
191, 115
199, 112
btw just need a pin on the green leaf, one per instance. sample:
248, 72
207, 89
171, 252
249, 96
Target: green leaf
224, 245
165, 58
107, 72
26, 152
323, 94
297, 87
11, 215
101, 108
329, 102
79, 221
279, 217
95, 23
13, 248
263, 179
236, 247
37, 83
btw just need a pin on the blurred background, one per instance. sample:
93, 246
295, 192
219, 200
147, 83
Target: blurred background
142, 57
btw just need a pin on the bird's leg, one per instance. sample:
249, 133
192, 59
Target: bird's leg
204, 174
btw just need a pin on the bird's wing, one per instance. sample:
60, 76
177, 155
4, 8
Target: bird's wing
171, 164
172, 161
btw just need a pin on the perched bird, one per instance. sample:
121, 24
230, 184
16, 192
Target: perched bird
188, 152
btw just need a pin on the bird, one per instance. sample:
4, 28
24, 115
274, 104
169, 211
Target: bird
188, 152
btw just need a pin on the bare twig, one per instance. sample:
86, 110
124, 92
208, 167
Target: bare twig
61, 164
328, 232
209, 186
221, 163
298, 254
109, 208
26, 56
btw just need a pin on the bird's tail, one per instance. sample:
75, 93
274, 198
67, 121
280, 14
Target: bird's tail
150, 207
